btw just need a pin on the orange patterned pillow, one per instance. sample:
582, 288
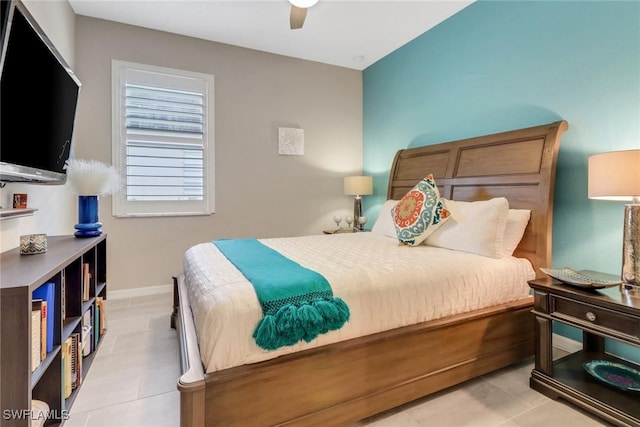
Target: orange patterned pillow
419, 213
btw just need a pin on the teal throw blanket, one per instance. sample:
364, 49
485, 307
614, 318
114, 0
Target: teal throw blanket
297, 303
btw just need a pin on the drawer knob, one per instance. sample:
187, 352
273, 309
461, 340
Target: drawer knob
590, 316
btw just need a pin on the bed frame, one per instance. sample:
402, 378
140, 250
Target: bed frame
347, 381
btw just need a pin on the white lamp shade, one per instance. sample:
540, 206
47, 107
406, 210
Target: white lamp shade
358, 185
303, 3
615, 175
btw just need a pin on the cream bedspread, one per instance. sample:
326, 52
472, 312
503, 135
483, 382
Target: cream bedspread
385, 285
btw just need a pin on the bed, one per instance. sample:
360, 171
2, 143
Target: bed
336, 383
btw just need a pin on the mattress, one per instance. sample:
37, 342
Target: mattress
385, 285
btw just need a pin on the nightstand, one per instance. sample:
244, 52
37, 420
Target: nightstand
344, 230
600, 314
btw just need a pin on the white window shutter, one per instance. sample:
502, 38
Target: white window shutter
163, 140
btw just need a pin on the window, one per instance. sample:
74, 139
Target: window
162, 140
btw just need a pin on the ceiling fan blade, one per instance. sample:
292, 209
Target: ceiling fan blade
298, 14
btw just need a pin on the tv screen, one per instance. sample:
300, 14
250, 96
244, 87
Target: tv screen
38, 98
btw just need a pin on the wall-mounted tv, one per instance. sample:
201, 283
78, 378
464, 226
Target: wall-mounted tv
38, 99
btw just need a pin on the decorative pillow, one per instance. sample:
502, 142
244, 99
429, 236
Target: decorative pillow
419, 213
517, 221
384, 224
476, 227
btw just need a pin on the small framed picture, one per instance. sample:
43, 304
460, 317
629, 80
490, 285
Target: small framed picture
290, 142
19, 201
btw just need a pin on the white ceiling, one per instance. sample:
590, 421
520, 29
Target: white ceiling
352, 34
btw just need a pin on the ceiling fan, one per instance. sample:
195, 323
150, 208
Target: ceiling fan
299, 12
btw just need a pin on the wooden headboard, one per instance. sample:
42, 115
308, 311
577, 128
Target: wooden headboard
519, 165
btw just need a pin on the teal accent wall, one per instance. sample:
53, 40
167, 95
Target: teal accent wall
502, 65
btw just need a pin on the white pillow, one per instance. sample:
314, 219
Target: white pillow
517, 221
384, 224
476, 227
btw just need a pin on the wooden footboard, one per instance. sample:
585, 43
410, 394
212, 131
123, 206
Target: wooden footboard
347, 381
192, 382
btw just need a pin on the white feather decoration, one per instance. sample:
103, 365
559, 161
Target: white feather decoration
92, 178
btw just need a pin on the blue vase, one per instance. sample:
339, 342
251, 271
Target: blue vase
88, 225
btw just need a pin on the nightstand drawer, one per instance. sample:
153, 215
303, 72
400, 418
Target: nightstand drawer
587, 314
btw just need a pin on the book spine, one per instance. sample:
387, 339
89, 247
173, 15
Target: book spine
87, 344
96, 326
76, 361
86, 340
36, 340
79, 357
43, 330
66, 347
100, 303
86, 282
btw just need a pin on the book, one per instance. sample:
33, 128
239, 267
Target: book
79, 357
76, 361
46, 292
74, 367
103, 303
36, 340
39, 413
42, 307
96, 326
67, 373
86, 282
86, 340
100, 303
87, 335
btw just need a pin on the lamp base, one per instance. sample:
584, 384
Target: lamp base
357, 213
630, 290
631, 251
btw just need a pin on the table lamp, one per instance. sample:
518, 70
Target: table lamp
358, 186
616, 176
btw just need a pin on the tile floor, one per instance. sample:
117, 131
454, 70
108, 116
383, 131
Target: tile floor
132, 383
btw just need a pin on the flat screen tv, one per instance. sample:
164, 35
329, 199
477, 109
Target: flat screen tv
38, 99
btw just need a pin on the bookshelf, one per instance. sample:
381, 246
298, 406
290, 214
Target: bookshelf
75, 268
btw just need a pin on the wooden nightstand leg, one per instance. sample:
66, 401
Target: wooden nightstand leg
592, 343
544, 350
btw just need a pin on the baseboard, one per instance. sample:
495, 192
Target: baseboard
140, 292
566, 344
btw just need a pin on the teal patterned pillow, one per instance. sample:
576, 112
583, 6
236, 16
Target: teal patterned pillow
419, 213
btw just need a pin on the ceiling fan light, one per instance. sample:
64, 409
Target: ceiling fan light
303, 3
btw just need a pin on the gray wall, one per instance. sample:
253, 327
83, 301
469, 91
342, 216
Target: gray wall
258, 193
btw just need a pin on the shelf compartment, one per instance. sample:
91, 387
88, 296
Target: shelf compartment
100, 287
571, 381
48, 389
42, 367
70, 324
86, 305
86, 364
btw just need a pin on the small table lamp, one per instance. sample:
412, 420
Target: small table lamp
358, 186
616, 176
